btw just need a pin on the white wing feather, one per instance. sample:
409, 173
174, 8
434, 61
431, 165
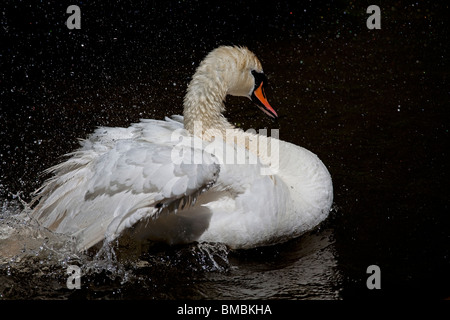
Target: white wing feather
118, 177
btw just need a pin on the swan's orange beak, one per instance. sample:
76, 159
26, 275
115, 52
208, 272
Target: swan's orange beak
259, 97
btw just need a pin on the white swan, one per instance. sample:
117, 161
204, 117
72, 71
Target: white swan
172, 181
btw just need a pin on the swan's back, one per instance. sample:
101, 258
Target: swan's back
274, 207
309, 183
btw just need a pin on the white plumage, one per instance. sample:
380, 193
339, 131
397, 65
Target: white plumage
168, 181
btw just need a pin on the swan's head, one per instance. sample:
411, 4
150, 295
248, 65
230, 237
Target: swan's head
240, 73
246, 77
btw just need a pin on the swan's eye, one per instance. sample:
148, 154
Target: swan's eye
260, 77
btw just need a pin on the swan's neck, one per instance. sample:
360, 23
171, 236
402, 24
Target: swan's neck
203, 108
204, 103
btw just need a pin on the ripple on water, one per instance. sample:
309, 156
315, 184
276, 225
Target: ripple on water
34, 262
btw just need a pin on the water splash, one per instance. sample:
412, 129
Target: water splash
34, 262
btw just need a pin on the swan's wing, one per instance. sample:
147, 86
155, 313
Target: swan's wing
117, 179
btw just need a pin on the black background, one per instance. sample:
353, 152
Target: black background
373, 104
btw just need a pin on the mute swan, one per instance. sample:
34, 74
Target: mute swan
173, 180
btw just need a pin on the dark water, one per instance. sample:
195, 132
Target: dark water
372, 104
